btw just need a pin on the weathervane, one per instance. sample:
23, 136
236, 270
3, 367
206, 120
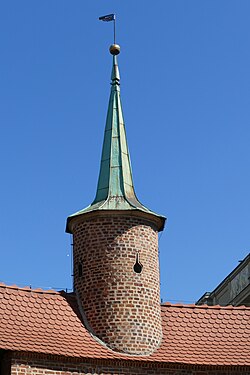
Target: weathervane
114, 48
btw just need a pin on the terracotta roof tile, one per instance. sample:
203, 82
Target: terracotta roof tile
49, 322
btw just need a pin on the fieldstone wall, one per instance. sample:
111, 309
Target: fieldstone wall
121, 306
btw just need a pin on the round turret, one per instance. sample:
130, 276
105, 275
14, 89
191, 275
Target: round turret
116, 278
116, 266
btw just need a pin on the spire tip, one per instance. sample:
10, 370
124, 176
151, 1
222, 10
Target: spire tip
114, 49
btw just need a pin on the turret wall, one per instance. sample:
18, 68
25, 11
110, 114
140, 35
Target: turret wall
121, 306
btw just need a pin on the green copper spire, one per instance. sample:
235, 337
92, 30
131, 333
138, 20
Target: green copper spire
115, 179
115, 189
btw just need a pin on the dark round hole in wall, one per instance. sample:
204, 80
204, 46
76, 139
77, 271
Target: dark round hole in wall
138, 267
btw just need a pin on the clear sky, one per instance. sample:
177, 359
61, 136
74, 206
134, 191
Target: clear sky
185, 86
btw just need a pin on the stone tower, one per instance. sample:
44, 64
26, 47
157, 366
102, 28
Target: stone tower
116, 267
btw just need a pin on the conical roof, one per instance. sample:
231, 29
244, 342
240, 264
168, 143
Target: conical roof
115, 188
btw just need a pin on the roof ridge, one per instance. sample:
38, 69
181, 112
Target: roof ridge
214, 307
28, 289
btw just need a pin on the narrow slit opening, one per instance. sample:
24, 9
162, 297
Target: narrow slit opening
80, 269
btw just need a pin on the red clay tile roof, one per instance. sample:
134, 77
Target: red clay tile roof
49, 322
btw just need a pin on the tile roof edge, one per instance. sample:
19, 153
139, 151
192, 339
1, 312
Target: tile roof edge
214, 307
28, 289
131, 361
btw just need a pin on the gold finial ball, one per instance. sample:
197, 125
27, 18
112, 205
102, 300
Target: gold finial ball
114, 49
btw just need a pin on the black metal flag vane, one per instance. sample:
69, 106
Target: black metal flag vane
108, 18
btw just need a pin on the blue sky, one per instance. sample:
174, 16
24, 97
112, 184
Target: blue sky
185, 86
